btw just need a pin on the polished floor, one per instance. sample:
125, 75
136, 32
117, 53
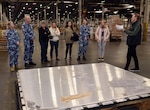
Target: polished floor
115, 55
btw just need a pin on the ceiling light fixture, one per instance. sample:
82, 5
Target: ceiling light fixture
34, 3
76, 3
98, 11
29, 8
26, 3
115, 12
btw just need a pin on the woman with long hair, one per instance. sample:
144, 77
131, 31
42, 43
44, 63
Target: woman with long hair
102, 35
54, 42
68, 33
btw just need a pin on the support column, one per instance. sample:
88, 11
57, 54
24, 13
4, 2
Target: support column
141, 8
1, 16
38, 19
9, 16
80, 11
146, 20
68, 16
57, 11
103, 11
45, 15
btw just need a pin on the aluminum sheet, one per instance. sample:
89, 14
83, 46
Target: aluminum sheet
77, 86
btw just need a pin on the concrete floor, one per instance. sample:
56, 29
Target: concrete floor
115, 55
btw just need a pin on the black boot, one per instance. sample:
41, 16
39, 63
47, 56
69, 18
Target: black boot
78, 58
84, 58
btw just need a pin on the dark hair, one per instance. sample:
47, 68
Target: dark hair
137, 16
67, 24
53, 21
84, 19
9, 23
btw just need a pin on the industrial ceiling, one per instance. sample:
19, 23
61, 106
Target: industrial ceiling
15, 9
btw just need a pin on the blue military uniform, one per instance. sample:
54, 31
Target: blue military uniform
28, 42
84, 34
13, 48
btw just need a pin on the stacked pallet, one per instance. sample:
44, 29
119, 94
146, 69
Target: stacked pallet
3, 40
113, 21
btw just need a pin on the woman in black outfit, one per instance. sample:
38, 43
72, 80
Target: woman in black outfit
43, 39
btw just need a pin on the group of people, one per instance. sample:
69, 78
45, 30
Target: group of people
52, 34
14, 42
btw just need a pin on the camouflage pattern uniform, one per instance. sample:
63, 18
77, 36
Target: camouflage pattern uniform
28, 42
13, 47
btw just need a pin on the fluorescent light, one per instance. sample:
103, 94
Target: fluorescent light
34, 3
115, 12
48, 7
130, 6
29, 8
26, 3
66, 6
24, 8
76, 3
98, 11
40, 5
68, 2
12, 6
36, 8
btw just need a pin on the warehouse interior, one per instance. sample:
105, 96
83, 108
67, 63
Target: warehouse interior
112, 11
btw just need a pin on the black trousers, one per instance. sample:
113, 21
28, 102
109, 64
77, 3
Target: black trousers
54, 44
44, 46
68, 49
132, 53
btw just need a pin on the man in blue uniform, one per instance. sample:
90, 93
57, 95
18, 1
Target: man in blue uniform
83, 39
13, 46
28, 41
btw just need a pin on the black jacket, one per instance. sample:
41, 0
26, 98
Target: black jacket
134, 34
44, 34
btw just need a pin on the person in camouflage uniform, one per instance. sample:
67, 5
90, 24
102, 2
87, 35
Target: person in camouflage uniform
13, 46
29, 37
83, 39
